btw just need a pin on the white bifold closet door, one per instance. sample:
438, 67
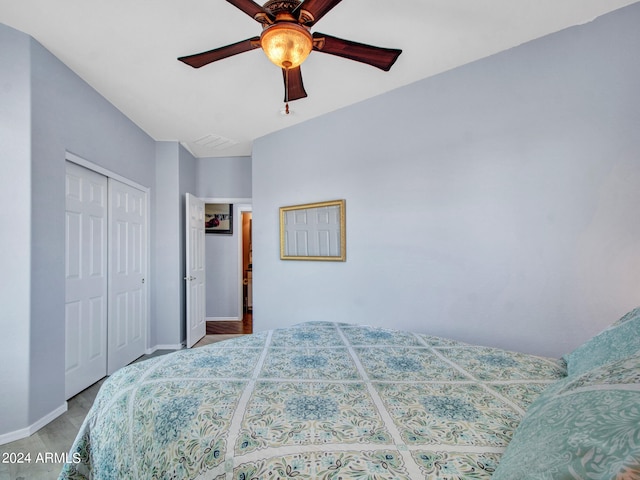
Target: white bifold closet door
106, 256
86, 278
127, 325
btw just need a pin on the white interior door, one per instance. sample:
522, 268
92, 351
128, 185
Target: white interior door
195, 270
127, 317
86, 278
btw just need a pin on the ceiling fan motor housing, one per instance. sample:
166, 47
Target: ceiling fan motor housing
279, 6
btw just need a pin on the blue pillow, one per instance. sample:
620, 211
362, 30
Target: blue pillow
582, 427
621, 339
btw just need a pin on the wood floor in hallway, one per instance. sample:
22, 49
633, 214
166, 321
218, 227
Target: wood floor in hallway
243, 326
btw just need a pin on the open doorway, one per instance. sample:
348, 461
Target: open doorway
246, 249
239, 319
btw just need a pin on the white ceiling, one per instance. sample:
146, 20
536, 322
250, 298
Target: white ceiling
127, 51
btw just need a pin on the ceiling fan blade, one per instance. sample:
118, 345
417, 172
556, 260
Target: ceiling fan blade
383, 58
293, 87
254, 10
310, 11
201, 59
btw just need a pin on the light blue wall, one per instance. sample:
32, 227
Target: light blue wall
15, 240
224, 177
175, 176
47, 111
167, 263
222, 281
496, 203
67, 115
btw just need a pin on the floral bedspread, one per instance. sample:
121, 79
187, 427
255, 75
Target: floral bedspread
316, 401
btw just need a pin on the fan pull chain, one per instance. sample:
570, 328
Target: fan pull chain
286, 91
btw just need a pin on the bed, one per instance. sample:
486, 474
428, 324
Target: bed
326, 400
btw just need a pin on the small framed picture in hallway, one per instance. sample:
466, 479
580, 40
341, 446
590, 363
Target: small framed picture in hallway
218, 218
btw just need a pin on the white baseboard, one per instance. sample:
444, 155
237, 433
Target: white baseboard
177, 346
34, 427
222, 319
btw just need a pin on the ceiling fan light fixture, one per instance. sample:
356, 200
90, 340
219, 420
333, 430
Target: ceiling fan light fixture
286, 44
287, 41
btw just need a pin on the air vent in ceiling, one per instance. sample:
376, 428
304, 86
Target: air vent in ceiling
215, 142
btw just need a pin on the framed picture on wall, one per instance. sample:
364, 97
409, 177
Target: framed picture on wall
218, 218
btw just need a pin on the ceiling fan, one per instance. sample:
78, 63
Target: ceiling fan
287, 41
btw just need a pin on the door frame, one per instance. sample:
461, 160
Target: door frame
73, 158
241, 204
241, 209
